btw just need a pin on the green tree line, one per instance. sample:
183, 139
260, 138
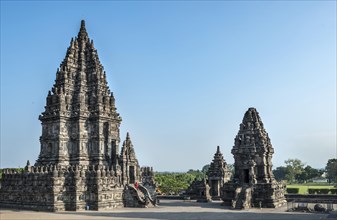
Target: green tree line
296, 171
172, 183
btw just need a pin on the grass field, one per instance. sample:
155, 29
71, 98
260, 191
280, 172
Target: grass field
303, 188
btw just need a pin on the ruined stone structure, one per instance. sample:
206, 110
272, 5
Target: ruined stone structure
218, 174
79, 165
253, 184
199, 190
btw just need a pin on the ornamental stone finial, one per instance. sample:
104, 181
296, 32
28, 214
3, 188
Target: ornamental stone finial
83, 32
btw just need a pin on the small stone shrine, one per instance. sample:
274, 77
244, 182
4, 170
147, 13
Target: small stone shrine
210, 189
79, 166
199, 191
253, 184
218, 174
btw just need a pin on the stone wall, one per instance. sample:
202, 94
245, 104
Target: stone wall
62, 188
28, 190
264, 195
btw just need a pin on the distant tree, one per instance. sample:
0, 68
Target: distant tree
331, 169
174, 183
199, 175
308, 174
312, 172
294, 169
231, 168
280, 173
205, 169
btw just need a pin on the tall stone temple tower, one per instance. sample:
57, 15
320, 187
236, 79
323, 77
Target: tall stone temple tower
218, 174
79, 165
80, 124
253, 184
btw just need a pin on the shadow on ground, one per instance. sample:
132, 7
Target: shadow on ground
208, 215
192, 210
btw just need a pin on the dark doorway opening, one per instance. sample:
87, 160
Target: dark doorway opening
245, 176
131, 174
215, 188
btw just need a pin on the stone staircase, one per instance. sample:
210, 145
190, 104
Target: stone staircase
243, 197
147, 194
140, 197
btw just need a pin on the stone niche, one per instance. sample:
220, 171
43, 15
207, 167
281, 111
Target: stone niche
253, 184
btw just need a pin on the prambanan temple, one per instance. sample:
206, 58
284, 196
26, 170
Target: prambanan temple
80, 165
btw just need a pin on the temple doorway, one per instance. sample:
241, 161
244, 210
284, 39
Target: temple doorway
245, 176
215, 188
131, 174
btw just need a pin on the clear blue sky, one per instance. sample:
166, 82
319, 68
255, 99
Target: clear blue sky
183, 74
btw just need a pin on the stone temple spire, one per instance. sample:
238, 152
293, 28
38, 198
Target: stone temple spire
218, 150
127, 148
218, 166
218, 158
253, 184
129, 162
253, 146
80, 110
218, 173
82, 34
